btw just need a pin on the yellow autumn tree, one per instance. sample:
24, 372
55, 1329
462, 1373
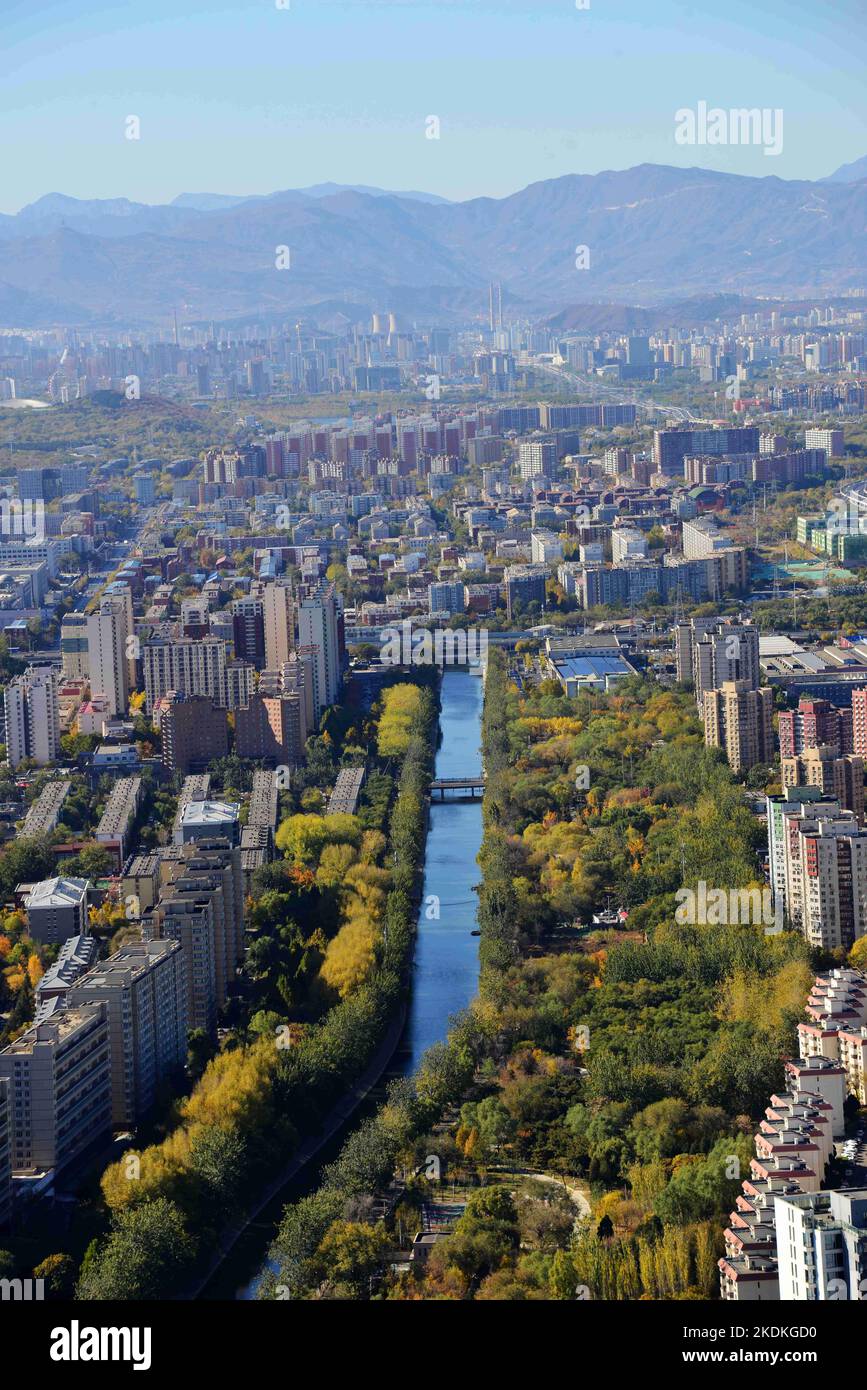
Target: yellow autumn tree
765, 1000
304, 837
352, 951
335, 863
235, 1091
858, 954
401, 708
349, 956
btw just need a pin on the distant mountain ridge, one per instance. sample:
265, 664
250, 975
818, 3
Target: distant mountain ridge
54, 210
849, 173
655, 233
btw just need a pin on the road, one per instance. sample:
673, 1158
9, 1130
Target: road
569, 1185
620, 393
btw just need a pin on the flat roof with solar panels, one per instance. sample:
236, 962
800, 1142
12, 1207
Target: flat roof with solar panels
194, 788
347, 789
44, 814
221, 818
262, 809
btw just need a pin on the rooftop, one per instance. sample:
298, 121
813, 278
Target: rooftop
210, 813
591, 668
56, 893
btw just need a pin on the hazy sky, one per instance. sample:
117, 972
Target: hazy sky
241, 96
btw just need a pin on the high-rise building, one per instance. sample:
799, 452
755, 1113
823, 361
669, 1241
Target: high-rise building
841, 779
826, 876
627, 543
144, 989
5, 1154
778, 809
821, 1245
686, 634
221, 465
201, 905
278, 612
739, 720
257, 382
36, 484
145, 490
318, 632
296, 675
446, 597
186, 915
193, 732
31, 717
239, 684
248, 628
107, 656
214, 861
59, 1088
829, 440
270, 728
638, 352
859, 721
537, 458
524, 584
194, 667
73, 646
710, 652
818, 724
671, 447
562, 417
701, 537
117, 597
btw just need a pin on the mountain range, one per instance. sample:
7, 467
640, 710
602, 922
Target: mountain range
652, 233
849, 173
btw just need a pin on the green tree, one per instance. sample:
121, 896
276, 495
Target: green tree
24, 861
349, 1254
148, 1252
562, 1277
58, 1271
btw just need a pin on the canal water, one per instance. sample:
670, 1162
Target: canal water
446, 968
446, 963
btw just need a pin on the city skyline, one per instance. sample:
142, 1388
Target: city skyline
260, 96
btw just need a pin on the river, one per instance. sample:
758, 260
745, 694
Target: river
446, 963
446, 967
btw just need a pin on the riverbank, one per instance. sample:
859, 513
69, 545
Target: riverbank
445, 963
444, 980
337, 1119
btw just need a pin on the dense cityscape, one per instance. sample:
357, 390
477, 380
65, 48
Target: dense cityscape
433, 841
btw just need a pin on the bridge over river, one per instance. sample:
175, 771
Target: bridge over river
458, 784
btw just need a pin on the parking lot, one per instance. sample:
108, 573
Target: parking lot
852, 1156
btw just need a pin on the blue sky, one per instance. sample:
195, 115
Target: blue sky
246, 97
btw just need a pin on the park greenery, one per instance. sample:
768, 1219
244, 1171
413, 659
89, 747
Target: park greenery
624, 1068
